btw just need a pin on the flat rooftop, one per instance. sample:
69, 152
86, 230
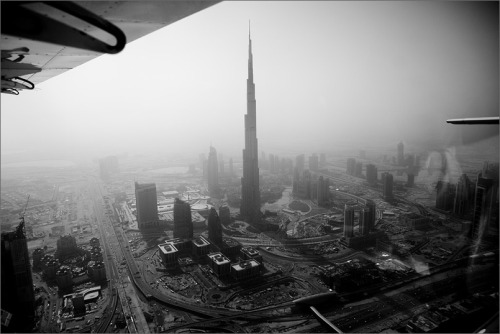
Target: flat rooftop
245, 265
219, 258
167, 248
200, 242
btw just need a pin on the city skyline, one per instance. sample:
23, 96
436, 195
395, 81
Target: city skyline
373, 62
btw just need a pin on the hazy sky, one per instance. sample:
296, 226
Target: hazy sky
326, 74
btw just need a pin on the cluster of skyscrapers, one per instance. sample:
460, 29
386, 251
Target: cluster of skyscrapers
478, 202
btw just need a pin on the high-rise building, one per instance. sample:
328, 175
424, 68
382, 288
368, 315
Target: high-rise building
18, 297
300, 163
349, 219
231, 167
314, 162
250, 192
351, 166
323, 190
485, 219
371, 174
272, 166
212, 171
214, 228
225, 215
183, 223
358, 169
463, 196
445, 195
146, 203
411, 180
401, 154
387, 185
322, 160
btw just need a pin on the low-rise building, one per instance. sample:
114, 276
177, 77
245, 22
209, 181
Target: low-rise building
168, 254
251, 253
246, 270
220, 264
64, 278
201, 247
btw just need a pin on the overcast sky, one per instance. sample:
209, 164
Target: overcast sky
326, 74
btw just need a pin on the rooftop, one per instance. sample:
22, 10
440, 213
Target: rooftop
245, 265
219, 258
167, 248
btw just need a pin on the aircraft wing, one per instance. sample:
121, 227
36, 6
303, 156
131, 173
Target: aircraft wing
474, 120
43, 39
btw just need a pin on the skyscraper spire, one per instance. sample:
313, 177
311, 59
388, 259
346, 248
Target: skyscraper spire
250, 193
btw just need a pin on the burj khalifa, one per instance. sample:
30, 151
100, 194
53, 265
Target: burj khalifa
250, 194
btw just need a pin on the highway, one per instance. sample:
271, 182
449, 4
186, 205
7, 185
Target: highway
110, 259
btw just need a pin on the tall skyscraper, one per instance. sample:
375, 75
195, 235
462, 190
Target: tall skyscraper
146, 203
231, 167
323, 190
250, 193
445, 195
463, 196
314, 162
212, 171
322, 160
214, 227
485, 219
183, 223
351, 166
401, 154
300, 162
371, 174
349, 219
387, 184
18, 297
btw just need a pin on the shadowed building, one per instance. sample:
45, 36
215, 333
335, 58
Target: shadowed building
401, 154
213, 171
183, 223
314, 162
18, 297
445, 195
250, 193
214, 227
387, 185
146, 204
349, 219
463, 196
371, 174
351, 166
485, 219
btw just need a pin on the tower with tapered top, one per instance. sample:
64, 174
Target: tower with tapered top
250, 194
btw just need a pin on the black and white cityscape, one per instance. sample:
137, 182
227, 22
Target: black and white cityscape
342, 201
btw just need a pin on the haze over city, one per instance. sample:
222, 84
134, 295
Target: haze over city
328, 75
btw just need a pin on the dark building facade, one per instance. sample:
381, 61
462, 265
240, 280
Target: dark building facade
351, 166
349, 215
314, 162
445, 195
463, 196
485, 218
323, 191
401, 154
250, 193
212, 171
18, 297
183, 223
371, 174
300, 162
214, 228
146, 204
387, 185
